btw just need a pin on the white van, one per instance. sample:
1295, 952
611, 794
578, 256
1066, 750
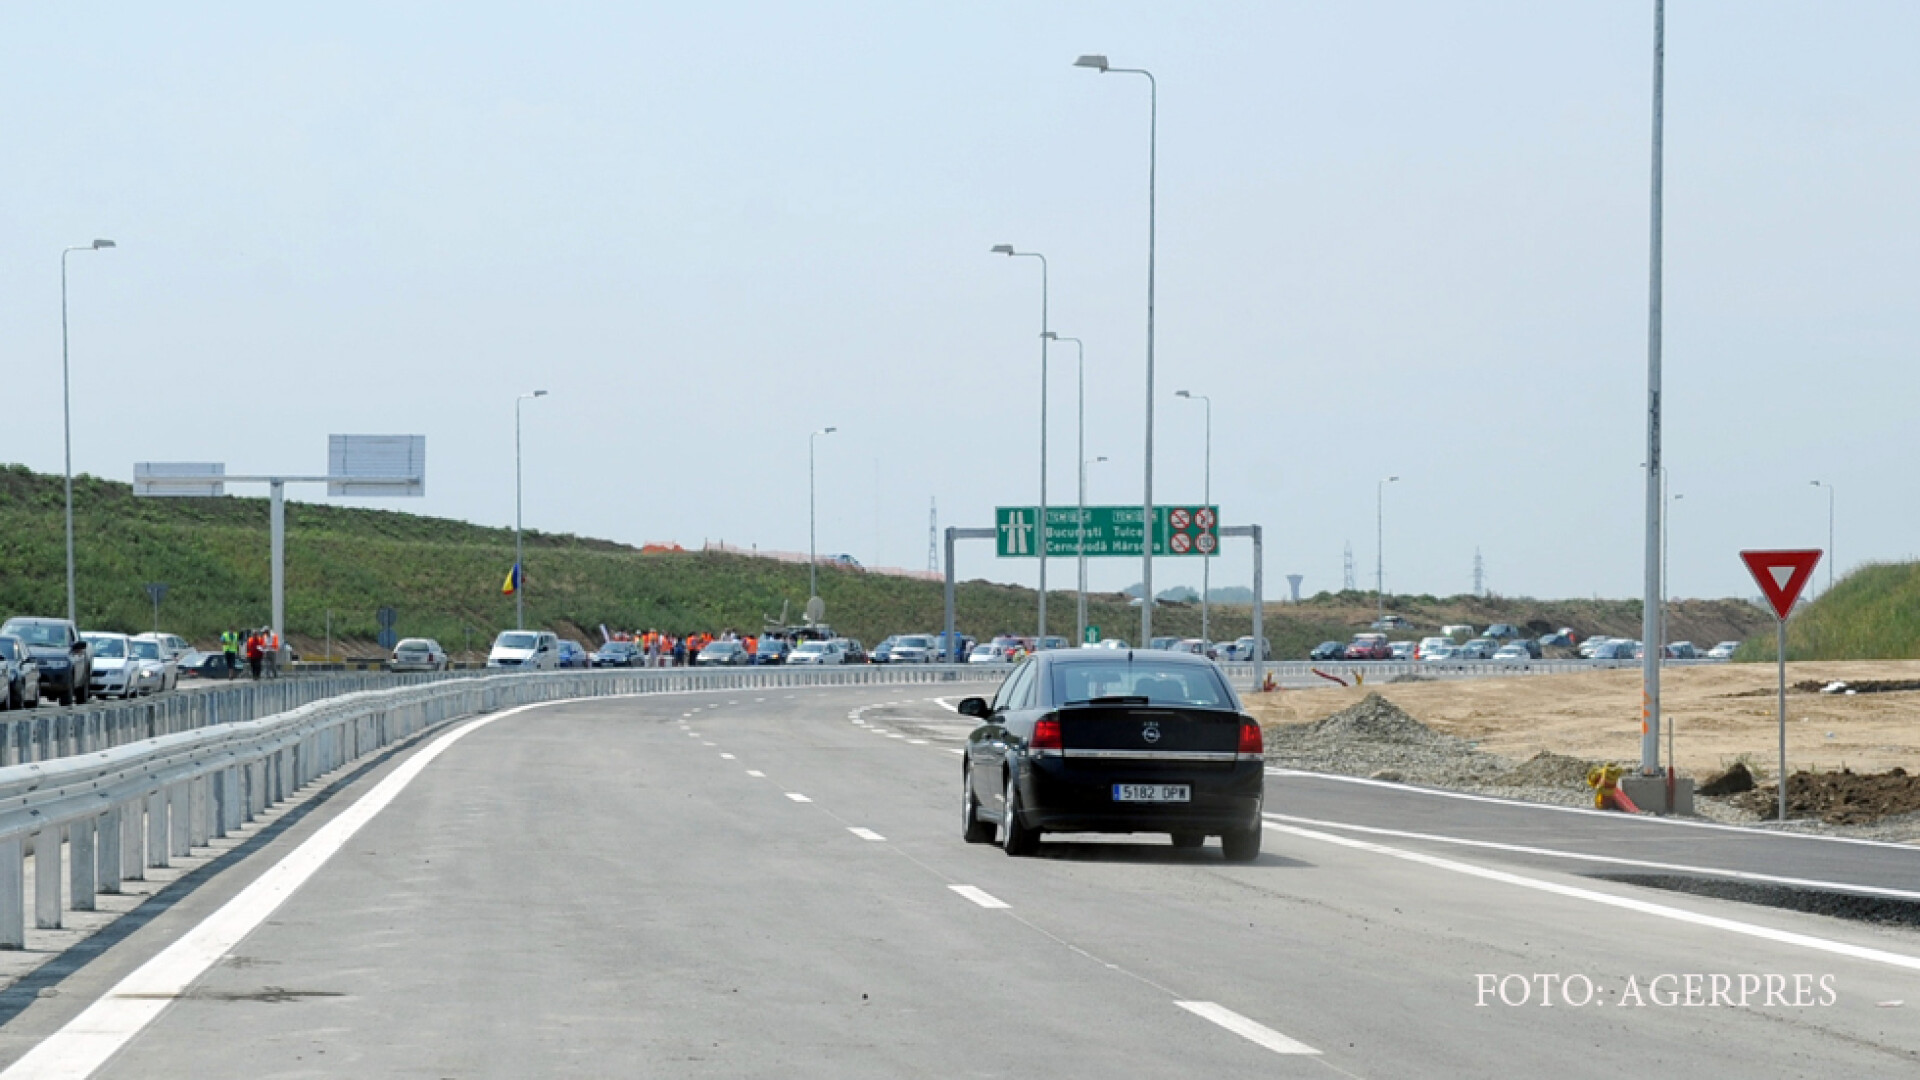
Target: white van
535, 650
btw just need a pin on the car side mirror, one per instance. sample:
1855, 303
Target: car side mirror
78, 646
975, 707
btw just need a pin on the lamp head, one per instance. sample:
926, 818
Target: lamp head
1181, 393
1002, 249
1096, 61
1100, 459
539, 393
1815, 483
1050, 335
98, 244
1390, 479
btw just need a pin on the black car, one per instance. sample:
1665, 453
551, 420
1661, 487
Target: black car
617, 654
1113, 741
22, 689
724, 654
883, 652
772, 651
1328, 650
65, 662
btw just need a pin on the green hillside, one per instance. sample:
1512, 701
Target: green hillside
1871, 614
444, 578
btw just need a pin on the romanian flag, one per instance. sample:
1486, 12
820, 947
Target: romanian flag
514, 580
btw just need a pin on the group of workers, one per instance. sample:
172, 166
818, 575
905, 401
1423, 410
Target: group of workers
661, 649
262, 649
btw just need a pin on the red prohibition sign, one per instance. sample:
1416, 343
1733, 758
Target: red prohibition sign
1204, 518
1181, 542
1180, 518
1206, 543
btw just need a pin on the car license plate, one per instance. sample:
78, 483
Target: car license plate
1152, 793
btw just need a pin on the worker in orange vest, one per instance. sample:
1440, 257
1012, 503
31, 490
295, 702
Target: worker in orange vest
753, 648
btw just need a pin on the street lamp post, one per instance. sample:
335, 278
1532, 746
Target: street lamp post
1099, 63
1081, 617
1379, 547
1829, 487
66, 417
1046, 336
1206, 559
1080, 455
813, 560
519, 564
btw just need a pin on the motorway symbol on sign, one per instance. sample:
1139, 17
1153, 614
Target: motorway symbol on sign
1781, 575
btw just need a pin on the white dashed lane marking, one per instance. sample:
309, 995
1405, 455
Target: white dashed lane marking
1247, 1029
864, 834
797, 797
979, 896
756, 774
726, 757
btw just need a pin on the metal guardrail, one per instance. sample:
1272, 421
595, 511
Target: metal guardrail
119, 809
1241, 674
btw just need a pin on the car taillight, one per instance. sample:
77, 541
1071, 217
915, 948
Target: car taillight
1250, 739
1046, 735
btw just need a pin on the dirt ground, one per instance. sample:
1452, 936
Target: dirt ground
1719, 714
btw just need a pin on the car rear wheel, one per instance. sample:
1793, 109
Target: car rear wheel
1018, 839
66, 697
973, 830
1189, 839
1242, 845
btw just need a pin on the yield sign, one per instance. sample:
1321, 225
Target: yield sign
1781, 575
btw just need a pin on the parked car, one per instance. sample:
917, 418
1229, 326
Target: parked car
883, 652
1457, 631
574, 655
818, 652
1369, 647
1477, 649
1163, 643
531, 650
990, 653
1681, 650
418, 654
1437, 653
23, 675
1503, 632
1723, 651
1108, 643
843, 560
911, 649
1242, 649
1428, 644
206, 665
723, 654
1328, 650
1077, 741
855, 653
1614, 649
172, 646
1511, 651
1401, 650
1592, 645
61, 654
157, 672
1391, 622
617, 654
1194, 646
772, 651
115, 672
1563, 638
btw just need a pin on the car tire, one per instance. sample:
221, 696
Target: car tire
1242, 845
80, 695
1017, 839
66, 697
973, 830
1189, 839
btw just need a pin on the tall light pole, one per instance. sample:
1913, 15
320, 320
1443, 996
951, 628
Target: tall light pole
519, 565
1829, 487
1099, 63
1080, 455
1379, 546
66, 417
1081, 615
1046, 338
1655, 588
1206, 559
813, 560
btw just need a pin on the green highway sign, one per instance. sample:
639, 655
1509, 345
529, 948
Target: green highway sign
1107, 531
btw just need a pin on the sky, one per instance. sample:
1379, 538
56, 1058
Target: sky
1394, 239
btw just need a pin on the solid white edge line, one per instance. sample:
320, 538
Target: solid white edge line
1613, 860
87, 1041
1249, 1030
864, 834
978, 895
794, 795
1767, 933
1649, 820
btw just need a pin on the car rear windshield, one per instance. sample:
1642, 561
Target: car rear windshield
517, 641
146, 650
915, 642
1158, 683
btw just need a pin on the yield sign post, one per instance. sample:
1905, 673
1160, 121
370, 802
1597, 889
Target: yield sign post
1781, 575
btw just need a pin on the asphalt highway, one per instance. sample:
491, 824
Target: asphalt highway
772, 884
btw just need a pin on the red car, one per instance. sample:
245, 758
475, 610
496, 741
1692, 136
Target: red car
1370, 647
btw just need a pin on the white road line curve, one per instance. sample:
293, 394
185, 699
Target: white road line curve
1250, 1030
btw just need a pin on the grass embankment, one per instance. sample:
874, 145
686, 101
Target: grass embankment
443, 577
1871, 614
